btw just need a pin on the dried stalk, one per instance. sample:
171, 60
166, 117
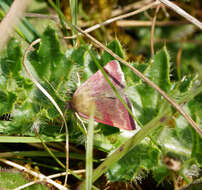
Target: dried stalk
182, 13
38, 175
127, 8
51, 99
50, 177
137, 23
11, 19
116, 18
152, 30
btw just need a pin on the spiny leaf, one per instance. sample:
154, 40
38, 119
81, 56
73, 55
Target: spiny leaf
11, 63
147, 104
160, 70
11, 67
115, 46
143, 156
48, 56
7, 101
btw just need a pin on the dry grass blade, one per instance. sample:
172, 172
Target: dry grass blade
51, 99
10, 20
127, 8
149, 82
137, 23
117, 18
182, 13
152, 30
38, 175
50, 177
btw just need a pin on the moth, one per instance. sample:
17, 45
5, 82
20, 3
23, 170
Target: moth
108, 108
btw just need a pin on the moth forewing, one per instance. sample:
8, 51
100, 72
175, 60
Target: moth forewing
108, 108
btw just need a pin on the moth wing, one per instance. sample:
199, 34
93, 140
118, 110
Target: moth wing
113, 112
108, 108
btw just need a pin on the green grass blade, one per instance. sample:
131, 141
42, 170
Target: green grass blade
74, 10
61, 19
74, 14
15, 139
89, 151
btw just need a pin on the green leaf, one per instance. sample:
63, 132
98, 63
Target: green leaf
195, 107
11, 68
7, 101
142, 157
89, 65
48, 57
185, 84
11, 179
40, 100
145, 99
130, 77
115, 46
160, 70
160, 173
11, 62
147, 105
